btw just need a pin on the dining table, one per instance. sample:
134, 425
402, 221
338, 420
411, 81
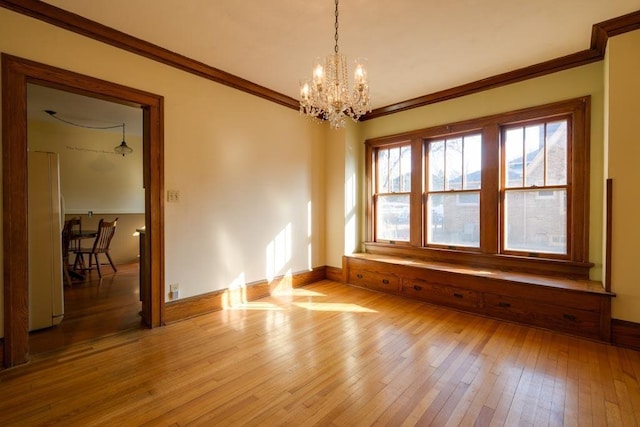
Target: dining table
75, 239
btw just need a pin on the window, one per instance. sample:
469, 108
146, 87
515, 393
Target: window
492, 191
453, 196
393, 190
535, 187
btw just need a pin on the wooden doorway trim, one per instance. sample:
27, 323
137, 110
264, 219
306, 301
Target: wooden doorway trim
16, 73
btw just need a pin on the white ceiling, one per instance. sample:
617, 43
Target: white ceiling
414, 47
80, 109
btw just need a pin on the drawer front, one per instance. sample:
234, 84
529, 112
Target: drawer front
441, 294
371, 280
584, 323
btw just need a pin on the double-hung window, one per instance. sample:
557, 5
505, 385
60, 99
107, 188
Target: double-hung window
496, 191
453, 190
535, 187
393, 193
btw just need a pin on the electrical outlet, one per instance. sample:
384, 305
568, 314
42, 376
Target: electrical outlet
174, 290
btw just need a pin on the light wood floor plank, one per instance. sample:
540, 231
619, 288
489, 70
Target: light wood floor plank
511, 378
328, 355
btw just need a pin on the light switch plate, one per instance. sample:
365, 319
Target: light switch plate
173, 196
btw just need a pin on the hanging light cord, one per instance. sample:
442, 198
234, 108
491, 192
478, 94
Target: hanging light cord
53, 114
120, 149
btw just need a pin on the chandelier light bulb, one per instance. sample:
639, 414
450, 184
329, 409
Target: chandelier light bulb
360, 73
305, 90
318, 74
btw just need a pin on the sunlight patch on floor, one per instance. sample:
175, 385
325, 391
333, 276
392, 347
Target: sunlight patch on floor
311, 306
334, 306
300, 292
257, 305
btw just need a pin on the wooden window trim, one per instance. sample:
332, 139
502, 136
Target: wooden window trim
427, 192
568, 186
576, 263
373, 190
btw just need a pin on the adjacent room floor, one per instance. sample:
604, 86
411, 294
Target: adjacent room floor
94, 309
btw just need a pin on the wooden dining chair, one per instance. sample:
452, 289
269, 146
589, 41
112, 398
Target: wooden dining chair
75, 229
101, 244
66, 248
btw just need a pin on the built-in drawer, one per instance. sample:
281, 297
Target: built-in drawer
584, 323
440, 294
372, 280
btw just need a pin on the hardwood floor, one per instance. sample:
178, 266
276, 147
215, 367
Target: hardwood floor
94, 310
329, 354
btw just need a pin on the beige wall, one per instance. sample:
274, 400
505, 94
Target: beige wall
260, 196
345, 158
250, 172
335, 197
623, 84
92, 176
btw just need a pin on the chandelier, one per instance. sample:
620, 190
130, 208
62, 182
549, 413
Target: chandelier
327, 94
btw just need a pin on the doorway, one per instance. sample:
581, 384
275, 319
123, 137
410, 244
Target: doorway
17, 73
79, 135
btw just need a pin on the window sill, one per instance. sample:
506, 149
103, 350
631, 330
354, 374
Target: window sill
544, 266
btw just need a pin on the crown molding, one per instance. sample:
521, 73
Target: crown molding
86, 27
574, 60
600, 34
70, 21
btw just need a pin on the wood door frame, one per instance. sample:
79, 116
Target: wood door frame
16, 73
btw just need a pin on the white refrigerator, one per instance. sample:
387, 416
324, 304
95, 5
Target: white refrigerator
46, 295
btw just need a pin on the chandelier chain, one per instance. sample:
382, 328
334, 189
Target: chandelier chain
336, 25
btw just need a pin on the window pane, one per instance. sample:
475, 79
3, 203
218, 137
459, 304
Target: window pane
383, 171
394, 170
472, 162
453, 170
393, 217
514, 140
536, 221
405, 168
557, 153
436, 166
534, 155
454, 219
